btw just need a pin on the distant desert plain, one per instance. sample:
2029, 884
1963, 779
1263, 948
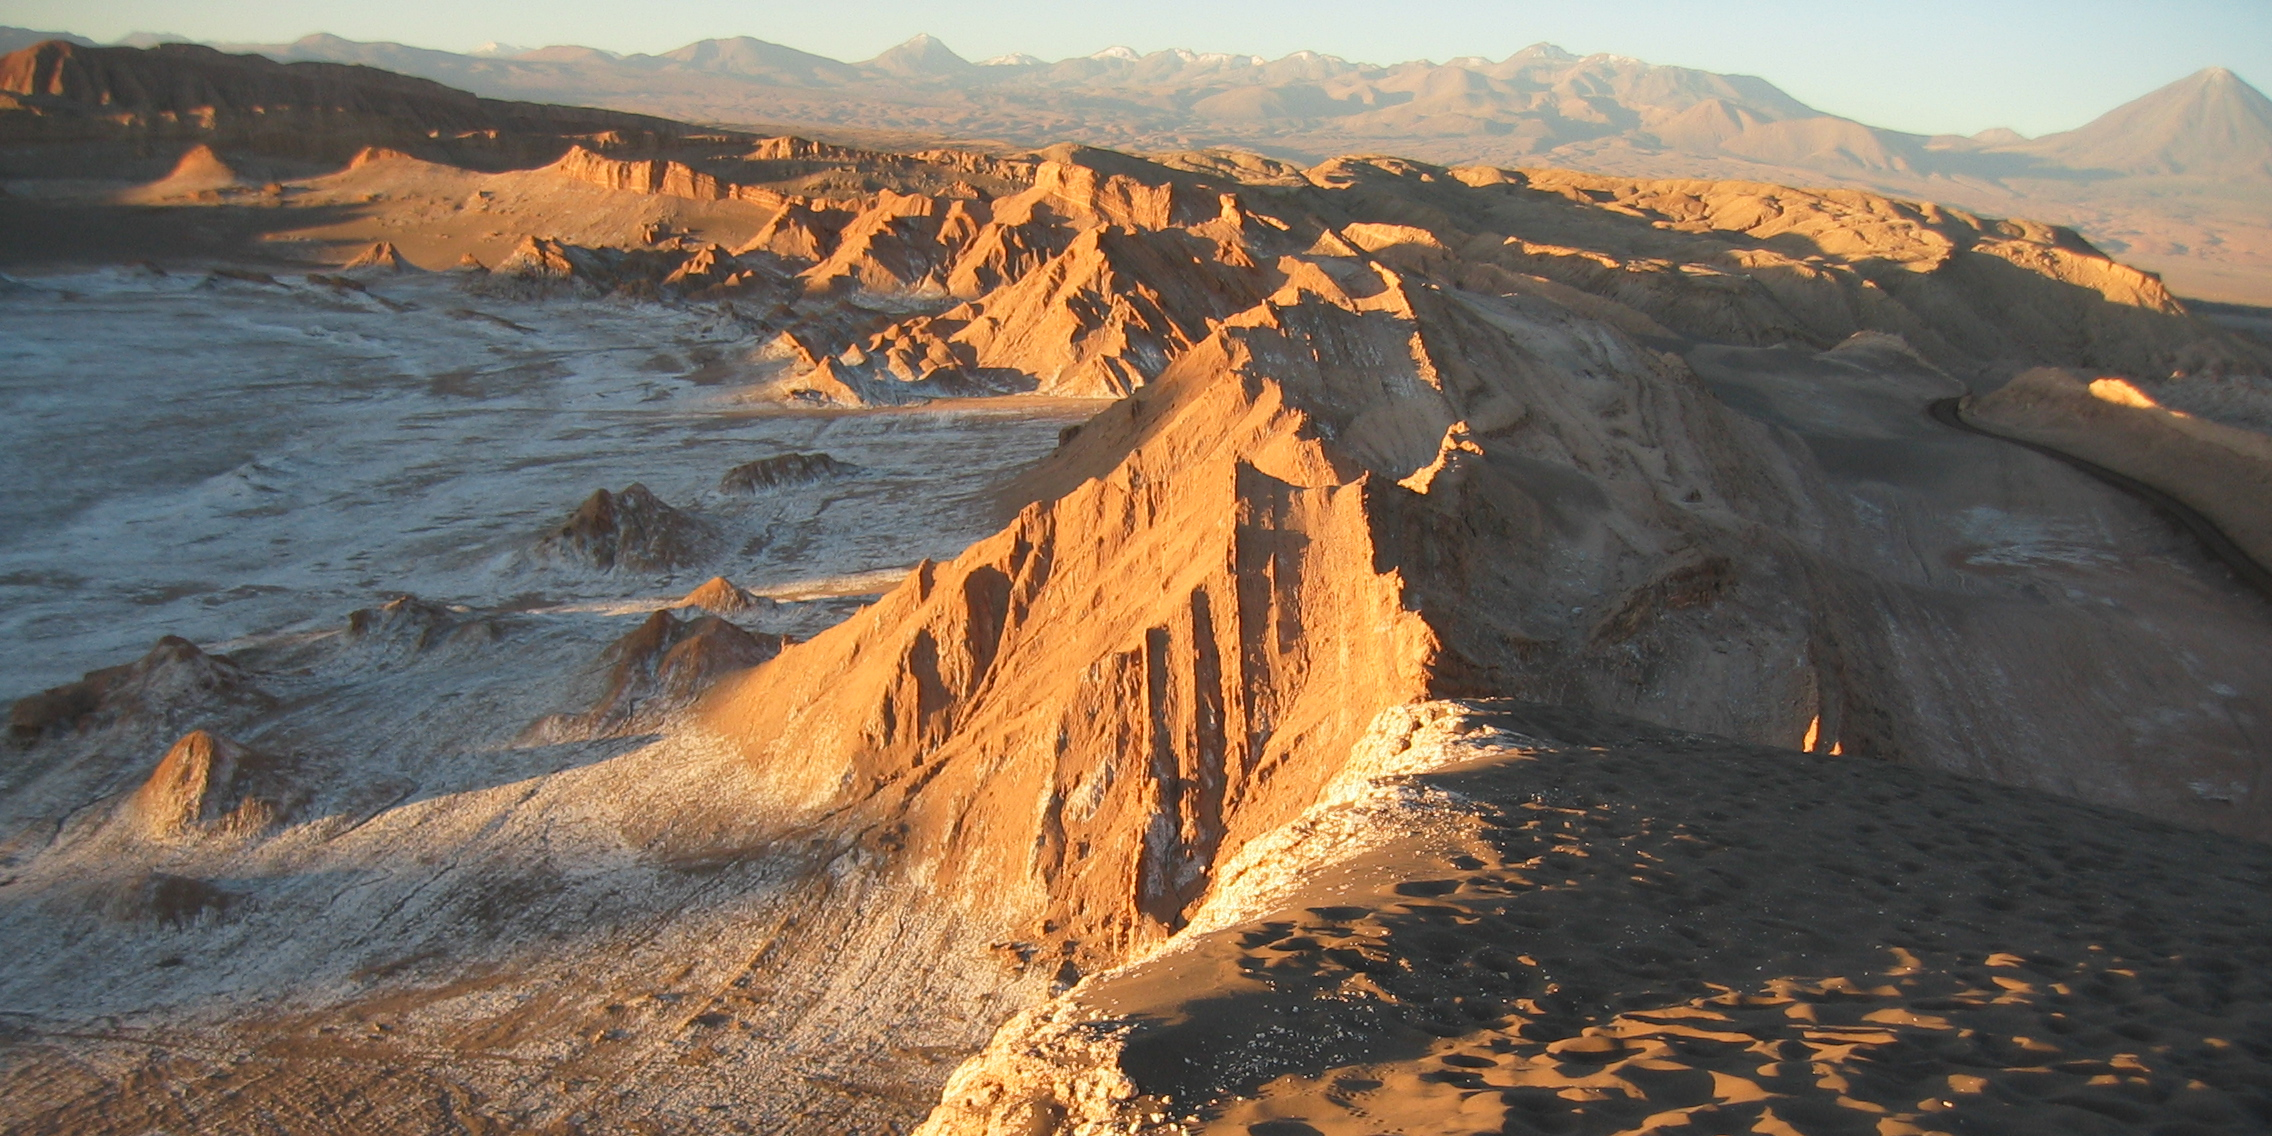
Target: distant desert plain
732, 591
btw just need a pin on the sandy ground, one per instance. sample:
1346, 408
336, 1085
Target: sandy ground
2223, 471
1580, 925
2005, 591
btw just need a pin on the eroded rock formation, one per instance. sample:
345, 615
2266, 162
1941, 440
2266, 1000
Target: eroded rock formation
175, 683
781, 470
721, 596
1435, 458
407, 626
659, 667
633, 530
382, 256
209, 784
540, 266
1381, 433
1092, 279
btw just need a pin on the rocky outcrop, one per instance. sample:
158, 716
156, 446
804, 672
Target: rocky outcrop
1171, 652
199, 174
173, 684
721, 596
663, 177
782, 470
1090, 280
407, 626
653, 176
1097, 320
1435, 458
901, 243
1759, 264
381, 256
542, 260
800, 231
1085, 284
541, 266
634, 531
658, 668
207, 784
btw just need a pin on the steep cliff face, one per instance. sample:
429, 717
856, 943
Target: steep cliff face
1380, 433
1230, 574
1074, 718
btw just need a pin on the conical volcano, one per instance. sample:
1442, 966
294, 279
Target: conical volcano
923, 57
2209, 124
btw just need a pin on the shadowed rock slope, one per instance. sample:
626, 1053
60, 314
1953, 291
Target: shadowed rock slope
69, 92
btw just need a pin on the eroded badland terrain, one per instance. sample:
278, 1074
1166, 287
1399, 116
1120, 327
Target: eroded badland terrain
2177, 180
527, 618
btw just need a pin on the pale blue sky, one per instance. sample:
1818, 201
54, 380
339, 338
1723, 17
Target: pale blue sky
1925, 65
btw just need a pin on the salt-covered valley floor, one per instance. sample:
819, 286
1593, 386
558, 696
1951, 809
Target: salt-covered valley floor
215, 458
452, 915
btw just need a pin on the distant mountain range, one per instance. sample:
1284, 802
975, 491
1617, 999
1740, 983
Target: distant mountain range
2161, 176
1541, 105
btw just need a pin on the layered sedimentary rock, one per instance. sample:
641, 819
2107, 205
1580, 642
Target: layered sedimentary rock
1379, 433
1169, 658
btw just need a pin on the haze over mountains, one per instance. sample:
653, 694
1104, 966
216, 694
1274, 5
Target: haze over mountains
1535, 102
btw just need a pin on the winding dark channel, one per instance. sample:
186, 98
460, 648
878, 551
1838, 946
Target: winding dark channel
1946, 411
